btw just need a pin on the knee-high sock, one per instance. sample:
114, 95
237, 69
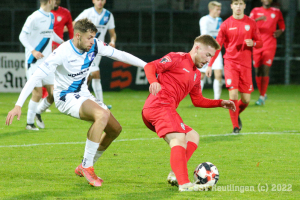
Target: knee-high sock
217, 88
190, 149
89, 153
32, 108
97, 87
264, 85
202, 85
234, 115
258, 83
179, 164
43, 105
242, 106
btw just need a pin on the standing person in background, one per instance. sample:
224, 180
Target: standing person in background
36, 36
239, 34
267, 18
103, 20
210, 24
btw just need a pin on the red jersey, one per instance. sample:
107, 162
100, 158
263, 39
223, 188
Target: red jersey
178, 77
268, 27
62, 18
233, 33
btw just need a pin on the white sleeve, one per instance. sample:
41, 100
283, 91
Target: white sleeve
111, 22
82, 15
203, 26
57, 39
23, 37
108, 51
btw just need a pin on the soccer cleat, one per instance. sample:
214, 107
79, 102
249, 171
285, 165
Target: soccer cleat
109, 106
240, 123
260, 102
31, 127
39, 121
89, 174
190, 187
236, 130
172, 179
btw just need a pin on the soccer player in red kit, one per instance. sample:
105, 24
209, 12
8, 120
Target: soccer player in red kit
267, 19
62, 18
239, 34
178, 76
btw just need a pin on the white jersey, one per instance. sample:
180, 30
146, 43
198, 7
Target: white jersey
210, 25
71, 69
104, 21
39, 28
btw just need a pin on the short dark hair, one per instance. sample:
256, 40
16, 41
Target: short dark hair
237, 0
208, 41
85, 25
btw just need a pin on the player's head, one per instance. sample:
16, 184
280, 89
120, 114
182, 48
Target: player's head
49, 3
238, 7
57, 4
214, 8
99, 4
84, 33
266, 3
204, 49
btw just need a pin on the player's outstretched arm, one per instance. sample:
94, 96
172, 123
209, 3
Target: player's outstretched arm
208, 71
11, 114
228, 105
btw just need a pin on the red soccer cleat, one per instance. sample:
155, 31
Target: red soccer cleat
89, 174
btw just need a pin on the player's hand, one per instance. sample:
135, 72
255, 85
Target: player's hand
14, 112
261, 18
249, 42
154, 88
228, 105
112, 44
277, 33
208, 71
37, 54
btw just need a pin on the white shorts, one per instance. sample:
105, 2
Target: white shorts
95, 64
218, 64
48, 80
72, 103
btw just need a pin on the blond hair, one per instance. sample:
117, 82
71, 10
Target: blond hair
213, 4
208, 41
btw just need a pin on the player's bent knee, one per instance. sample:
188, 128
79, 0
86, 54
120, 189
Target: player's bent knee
101, 116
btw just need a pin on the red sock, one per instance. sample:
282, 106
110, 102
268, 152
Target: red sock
190, 149
45, 93
179, 164
234, 115
264, 85
259, 83
242, 106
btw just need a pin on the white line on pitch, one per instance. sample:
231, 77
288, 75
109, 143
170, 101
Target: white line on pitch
139, 139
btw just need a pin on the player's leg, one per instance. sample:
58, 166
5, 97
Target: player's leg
37, 93
202, 80
234, 115
217, 85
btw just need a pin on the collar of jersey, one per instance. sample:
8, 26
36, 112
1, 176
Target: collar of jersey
97, 12
211, 17
44, 12
75, 49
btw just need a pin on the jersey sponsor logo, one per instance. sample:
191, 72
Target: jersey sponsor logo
269, 62
260, 14
166, 59
91, 56
228, 81
182, 126
273, 15
72, 61
247, 27
186, 70
59, 18
79, 73
232, 28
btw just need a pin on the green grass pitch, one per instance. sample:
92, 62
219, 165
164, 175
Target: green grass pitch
264, 158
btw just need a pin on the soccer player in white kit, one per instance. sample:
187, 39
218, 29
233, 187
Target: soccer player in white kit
103, 20
71, 62
36, 36
210, 25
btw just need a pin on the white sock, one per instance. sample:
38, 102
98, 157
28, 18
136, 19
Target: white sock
32, 107
202, 85
217, 88
43, 105
97, 87
89, 153
98, 155
262, 97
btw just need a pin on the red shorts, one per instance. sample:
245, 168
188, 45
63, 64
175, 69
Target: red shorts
164, 120
238, 77
265, 57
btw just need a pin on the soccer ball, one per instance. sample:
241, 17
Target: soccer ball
206, 173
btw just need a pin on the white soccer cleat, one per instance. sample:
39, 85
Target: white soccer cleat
31, 127
192, 187
39, 121
172, 179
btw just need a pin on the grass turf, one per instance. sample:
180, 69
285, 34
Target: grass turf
136, 165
